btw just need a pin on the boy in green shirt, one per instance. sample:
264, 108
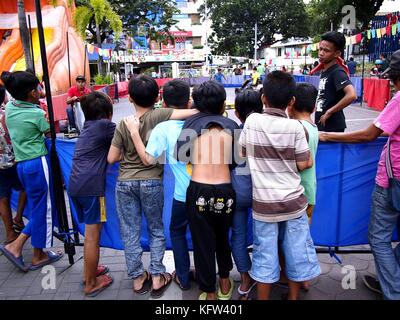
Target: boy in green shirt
27, 125
306, 96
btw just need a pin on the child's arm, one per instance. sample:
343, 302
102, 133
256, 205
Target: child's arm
182, 114
114, 155
133, 124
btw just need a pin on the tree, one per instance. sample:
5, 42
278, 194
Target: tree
24, 34
233, 23
157, 15
327, 14
96, 16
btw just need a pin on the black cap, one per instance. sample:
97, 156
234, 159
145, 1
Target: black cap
80, 77
394, 62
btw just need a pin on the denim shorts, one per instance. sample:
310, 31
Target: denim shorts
9, 180
295, 243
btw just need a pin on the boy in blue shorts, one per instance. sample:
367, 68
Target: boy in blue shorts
163, 138
87, 184
139, 187
27, 125
246, 103
277, 151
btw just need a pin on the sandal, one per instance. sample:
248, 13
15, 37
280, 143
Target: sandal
157, 293
18, 227
145, 286
253, 284
105, 284
101, 270
179, 284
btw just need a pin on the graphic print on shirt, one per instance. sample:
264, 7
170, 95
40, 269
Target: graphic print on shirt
321, 93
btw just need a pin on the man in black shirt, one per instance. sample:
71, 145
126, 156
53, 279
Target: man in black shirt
336, 91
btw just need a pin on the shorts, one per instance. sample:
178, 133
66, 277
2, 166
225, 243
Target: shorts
293, 237
9, 180
90, 210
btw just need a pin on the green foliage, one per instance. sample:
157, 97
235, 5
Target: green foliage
100, 79
323, 13
233, 23
96, 12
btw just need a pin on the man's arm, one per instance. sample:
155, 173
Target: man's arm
114, 155
365, 135
71, 100
350, 96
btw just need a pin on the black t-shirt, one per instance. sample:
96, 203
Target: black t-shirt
331, 85
193, 128
88, 175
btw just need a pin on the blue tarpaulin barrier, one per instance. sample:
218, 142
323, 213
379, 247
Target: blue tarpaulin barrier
346, 178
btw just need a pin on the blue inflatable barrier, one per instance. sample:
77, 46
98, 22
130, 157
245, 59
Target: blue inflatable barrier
346, 178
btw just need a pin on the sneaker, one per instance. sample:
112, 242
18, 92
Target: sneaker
372, 284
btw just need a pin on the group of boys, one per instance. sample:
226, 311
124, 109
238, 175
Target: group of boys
203, 152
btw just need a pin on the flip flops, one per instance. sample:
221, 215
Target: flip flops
145, 286
52, 257
225, 296
18, 262
158, 293
242, 293
101, 270
109, 280
178, 282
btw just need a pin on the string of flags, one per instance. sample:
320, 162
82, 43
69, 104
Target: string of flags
106, 53
390, 30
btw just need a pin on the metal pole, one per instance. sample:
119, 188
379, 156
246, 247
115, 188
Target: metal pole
31, 42
58, 188
84, 63
69, 65
363, 69
255, 43
206, 33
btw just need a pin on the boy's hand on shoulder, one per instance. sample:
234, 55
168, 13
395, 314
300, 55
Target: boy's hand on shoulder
133, 124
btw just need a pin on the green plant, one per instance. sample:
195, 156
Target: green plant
100, 79
198, 47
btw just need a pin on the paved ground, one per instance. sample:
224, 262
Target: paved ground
15, 285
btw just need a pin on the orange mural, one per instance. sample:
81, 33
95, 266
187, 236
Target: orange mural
57, 24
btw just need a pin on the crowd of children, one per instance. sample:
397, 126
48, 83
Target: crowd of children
222, 172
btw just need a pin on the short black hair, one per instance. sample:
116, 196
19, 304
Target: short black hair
247, 102
96, 105
19, 83
2, 94
336, 38
351, 59
394, 75
279, 88
143, 90
209, 97
306, 97
176, 93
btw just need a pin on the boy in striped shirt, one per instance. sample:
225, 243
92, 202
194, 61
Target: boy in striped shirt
277, 150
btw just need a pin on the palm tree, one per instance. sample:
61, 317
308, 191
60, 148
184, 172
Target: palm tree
95, 13
24, 34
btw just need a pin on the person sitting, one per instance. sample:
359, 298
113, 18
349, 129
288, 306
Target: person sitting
74, 94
